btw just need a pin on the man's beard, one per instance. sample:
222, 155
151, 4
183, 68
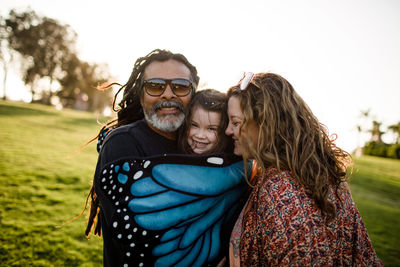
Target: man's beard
164, 124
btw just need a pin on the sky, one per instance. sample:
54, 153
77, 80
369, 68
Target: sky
341, 56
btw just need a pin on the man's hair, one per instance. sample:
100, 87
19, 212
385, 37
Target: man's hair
209, 100
291, 137
130, 110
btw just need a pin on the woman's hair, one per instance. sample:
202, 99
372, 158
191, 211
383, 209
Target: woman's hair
213, 101
291, 138
130, 110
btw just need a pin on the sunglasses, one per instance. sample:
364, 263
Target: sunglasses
246, 80
157, 86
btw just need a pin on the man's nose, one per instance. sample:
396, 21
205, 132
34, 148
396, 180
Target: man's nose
168, 93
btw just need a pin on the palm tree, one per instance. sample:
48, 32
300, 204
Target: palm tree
395, 128
364, 117
376, 134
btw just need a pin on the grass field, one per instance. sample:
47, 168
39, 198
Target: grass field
41, 187
376, 191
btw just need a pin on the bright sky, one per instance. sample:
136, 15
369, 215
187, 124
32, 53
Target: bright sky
341, 56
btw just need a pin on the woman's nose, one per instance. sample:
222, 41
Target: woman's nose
228, 130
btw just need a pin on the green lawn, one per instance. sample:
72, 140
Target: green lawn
376, 191
42, 187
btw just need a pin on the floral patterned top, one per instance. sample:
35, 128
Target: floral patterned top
283, 226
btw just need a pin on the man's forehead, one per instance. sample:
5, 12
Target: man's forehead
168, 69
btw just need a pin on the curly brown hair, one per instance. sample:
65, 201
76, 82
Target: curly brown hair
291, 138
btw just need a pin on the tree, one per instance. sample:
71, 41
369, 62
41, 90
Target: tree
395, 128
94, 75
6, 55
364, 117
376, 133
17, 26
70, 82
48, 54
44, 44
79, 85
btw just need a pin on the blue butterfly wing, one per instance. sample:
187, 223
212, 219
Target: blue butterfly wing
188, 204
180, 193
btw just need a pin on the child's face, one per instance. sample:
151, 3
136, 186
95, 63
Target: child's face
203, 131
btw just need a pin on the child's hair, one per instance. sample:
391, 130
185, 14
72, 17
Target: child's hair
209, 100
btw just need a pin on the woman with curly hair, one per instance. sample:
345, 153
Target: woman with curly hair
300, 211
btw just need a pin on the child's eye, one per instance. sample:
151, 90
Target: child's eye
214, 129
193, 124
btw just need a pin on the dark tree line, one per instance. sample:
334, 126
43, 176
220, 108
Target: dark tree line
50, 66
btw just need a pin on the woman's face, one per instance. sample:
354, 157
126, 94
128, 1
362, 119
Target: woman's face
240, 135
203, 130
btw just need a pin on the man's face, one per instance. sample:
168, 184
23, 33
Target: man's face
165, 113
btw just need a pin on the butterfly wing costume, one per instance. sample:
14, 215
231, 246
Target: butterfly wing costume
172, 208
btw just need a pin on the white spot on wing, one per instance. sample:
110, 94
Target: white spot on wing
215, 160
138, 175
146, 164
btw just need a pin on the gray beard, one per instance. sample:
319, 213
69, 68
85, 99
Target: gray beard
165, 125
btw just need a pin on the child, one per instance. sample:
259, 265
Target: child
203, 131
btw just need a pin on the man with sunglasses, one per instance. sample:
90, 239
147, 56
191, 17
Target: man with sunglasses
167, 89
151, 111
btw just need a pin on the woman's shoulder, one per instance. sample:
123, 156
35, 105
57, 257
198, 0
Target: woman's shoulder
277, 178
279, 186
